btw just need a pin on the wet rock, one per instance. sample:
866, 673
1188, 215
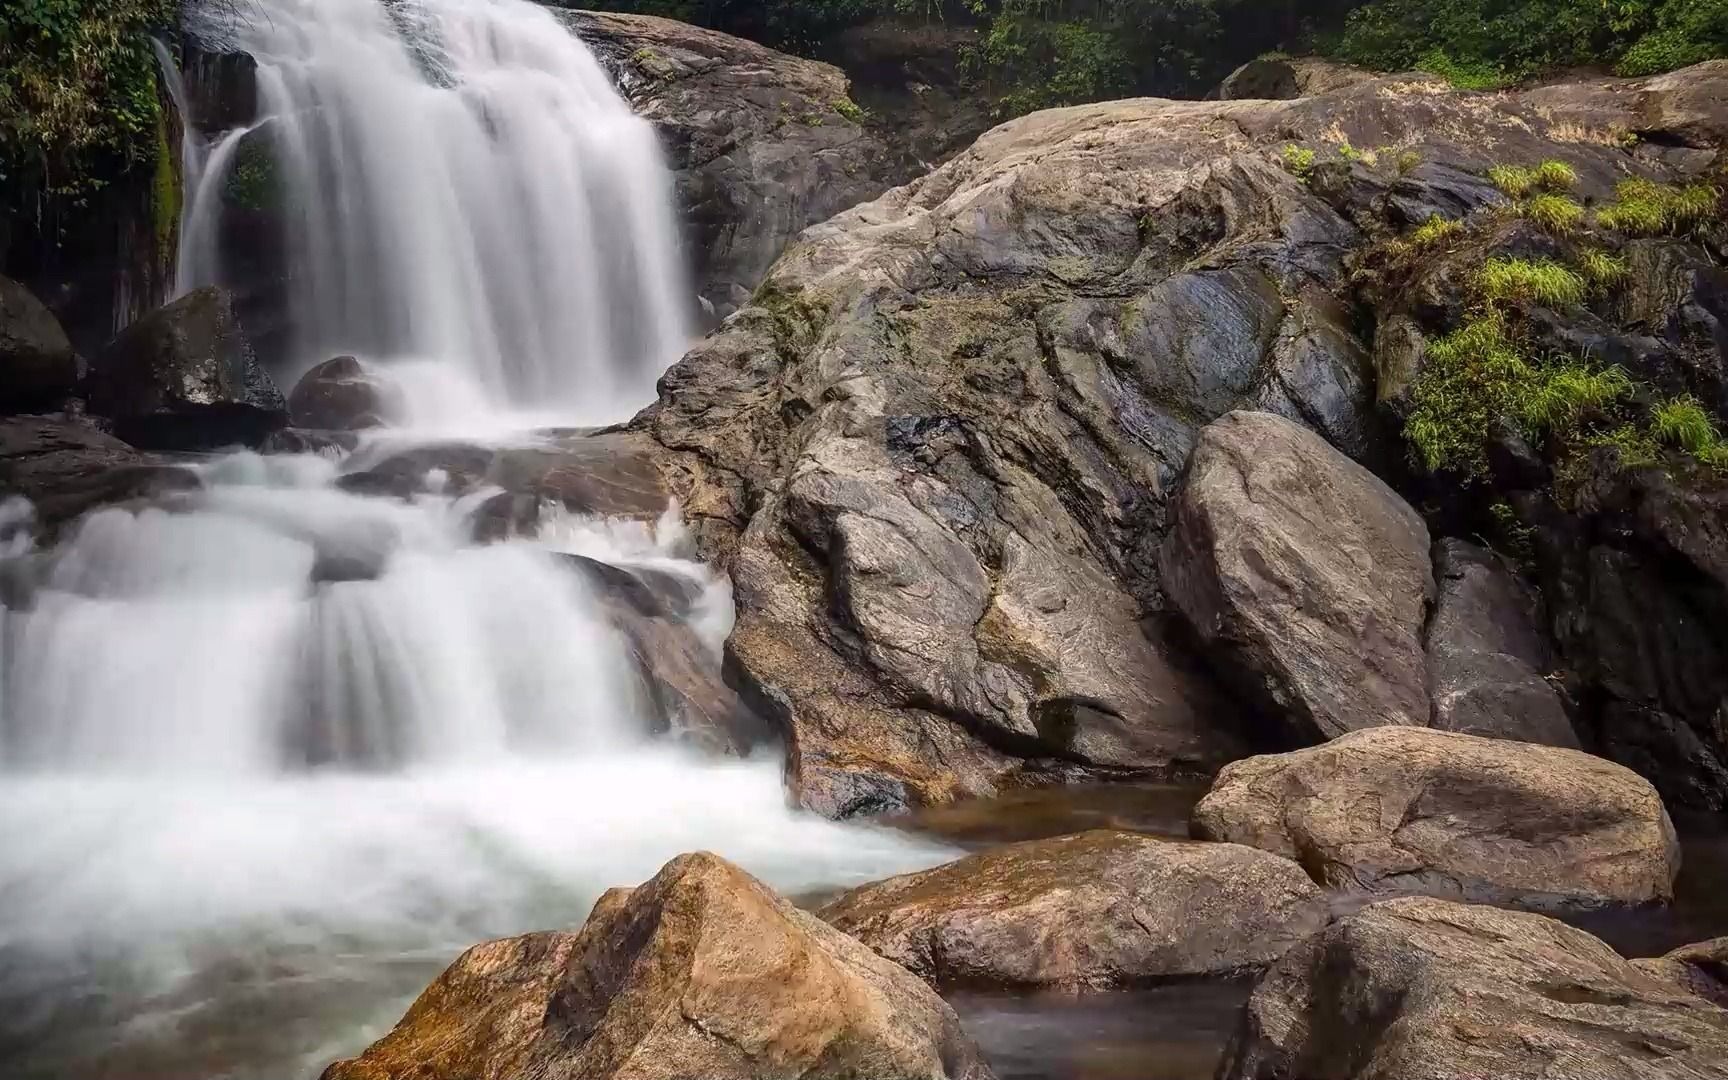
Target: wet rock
184, 378
1391, 810
1284, 77
303, 441
1304, 572
339, 395
702, 971
38, 368
1700, 969
66, 467
762, 144
1423, 989
1092, 911
1486, 657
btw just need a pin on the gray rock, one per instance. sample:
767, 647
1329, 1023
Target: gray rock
1486, 657
1700, 969
1284, 77
1391, 810
184, 378
38, 368
1422, 989
66, 467
1091, 911
1304, 572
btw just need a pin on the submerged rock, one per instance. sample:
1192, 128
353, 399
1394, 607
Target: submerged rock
1423, 989
1305, 573
184, 378
1392, 810
702, 971
38, 369
1098, 910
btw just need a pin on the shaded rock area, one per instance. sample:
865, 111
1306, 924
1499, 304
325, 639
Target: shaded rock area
1700, 969
938, 449
1487, 659
702, 971
1391, 810
763, 144
1092, 911
1304, 575
67, 467
1423, 989
907, 75
340, 395
184, 378
1283, 77
38, 369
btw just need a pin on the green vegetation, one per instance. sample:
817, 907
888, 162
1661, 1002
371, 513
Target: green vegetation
1435, 231
1682, 422
1601, 269
1541, 281
1407, 162
1517, 181
1298, 160
852, 111
1646, 208
1558, 214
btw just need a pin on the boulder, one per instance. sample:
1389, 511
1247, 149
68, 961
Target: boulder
1391, 810
762, 144
1284, 77
66, 467
1092, 911
38, 369
340, 395
1486, 658
1305, 573
703, 971
1424, 989
1700, 969
184, 378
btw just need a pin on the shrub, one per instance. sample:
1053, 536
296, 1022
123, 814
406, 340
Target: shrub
1298, 160
1541, 281
1555, 213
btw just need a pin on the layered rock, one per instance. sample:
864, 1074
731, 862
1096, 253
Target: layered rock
1092, 911
1305, 573
1423, 989
1391, 810
702, 971
1487, 658
762, 144
38, 369
185, 378
1700, 969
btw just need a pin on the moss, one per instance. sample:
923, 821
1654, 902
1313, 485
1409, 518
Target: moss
797, 316
1553, 213
165, 194
852, 111
251, 182
1540, 281
1298, 161
1634, 447
652, 64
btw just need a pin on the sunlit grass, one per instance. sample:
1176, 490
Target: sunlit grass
1541, 281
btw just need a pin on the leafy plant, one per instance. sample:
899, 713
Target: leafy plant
852, 111
1298, 160
1541, 281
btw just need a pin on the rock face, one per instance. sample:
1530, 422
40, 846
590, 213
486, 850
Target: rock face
1392, 810
339, 395
1700, 969
1486, 657
1305, 573
38, 368
66, 467
1093, 911
1421, 989
763, 144
184, 378
1284, 77
700, 972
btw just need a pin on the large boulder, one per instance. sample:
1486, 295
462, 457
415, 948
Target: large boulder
66, 467
1487, 659
1423, 989
762, 144
38, 368
1700, 968
1284, 77
703, 971
341, 395
1091, 911
1304, 572
1391, 810
184, 378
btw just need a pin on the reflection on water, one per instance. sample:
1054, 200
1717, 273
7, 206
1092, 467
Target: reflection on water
1700, 910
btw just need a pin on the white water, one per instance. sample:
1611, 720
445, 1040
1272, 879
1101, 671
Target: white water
272, 753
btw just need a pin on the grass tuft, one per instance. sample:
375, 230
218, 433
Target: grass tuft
1513, 181
1436, 230
1645, 208
1554, 175
1683, 422
1557, 214
1565, 392
1603, 270
1541, 281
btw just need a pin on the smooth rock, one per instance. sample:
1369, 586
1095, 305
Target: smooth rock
1284, 77
340, 395
1305, 573
1392, 809
184, 378
1486, 656
1093, 911
66, 468
1423, 989
1700, 969
38, 368
700, 972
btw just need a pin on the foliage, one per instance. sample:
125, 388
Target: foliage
1633, 445
1407, 162
1646, 208
1298, 160
851, 110
1684, 423
1557, 214
1541, 281
1436, 230
1568, 390
1602, 269
1554, 175
1514, 181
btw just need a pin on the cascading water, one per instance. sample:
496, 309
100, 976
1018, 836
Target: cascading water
272, 751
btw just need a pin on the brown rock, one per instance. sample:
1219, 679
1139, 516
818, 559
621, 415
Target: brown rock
1284, 77
1700, 969
702, 971
67, 468
339, 395
1422, 989
1092, 911
1304, 572
1393, 809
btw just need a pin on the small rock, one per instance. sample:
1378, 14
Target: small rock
38, 368
1392, 810
1422, 989
339, 395
701, 972
1305, 573
1093, 911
